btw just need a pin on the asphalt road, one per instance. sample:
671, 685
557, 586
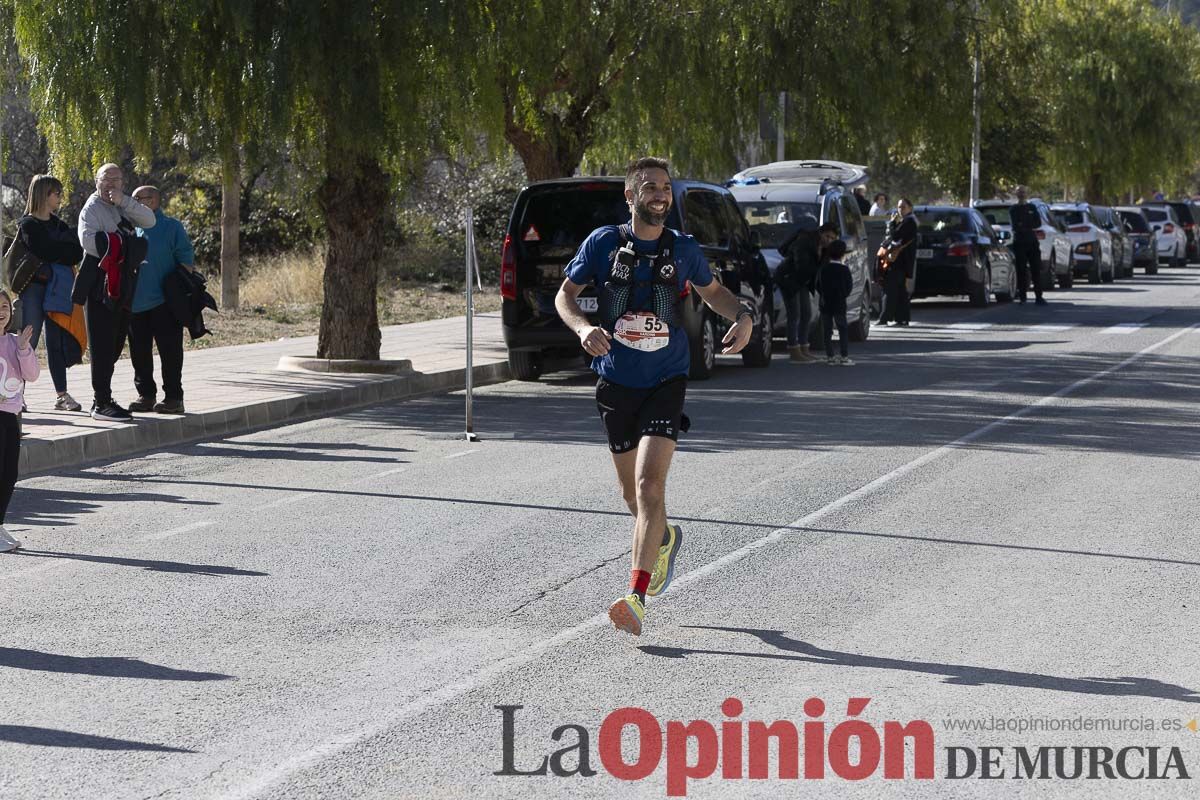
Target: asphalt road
990, 520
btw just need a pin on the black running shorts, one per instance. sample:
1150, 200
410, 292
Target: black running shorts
629, 414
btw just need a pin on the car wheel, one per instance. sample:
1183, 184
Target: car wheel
704, 349
861, 328
1048, 278
1068, 280
758, 349
1152, 269
980, 294
1094, 271
526, 365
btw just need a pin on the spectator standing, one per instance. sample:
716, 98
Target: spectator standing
57, 250
834, 283
902, 241
151, 323
18, 363
880, 206
795, 277
860, 197
108, 211
1027, 252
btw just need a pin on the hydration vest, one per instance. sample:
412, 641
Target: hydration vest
617, 293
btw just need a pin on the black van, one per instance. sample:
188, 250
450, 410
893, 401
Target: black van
552, 218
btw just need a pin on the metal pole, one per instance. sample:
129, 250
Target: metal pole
469, 434
782, 130
977, 92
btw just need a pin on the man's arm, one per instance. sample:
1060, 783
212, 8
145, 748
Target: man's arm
725, 303
89, 226
595, 340
136, 213
184, 253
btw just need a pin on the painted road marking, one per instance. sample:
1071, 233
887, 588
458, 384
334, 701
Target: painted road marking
463, 453
1049, 328
195, 526
264, 781
1125, 328
969, 326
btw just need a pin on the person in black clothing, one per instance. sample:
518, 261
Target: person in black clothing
860, 197
795, 278
1026, 250
834, 283
902, 239
53, 242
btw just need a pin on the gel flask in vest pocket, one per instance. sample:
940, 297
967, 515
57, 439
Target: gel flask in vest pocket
642, 331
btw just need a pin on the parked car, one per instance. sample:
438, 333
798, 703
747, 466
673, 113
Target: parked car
1108, 219
1172, 236
1185, 215
1053, 241
959, 253
1143, 237
549, 221
1090, 243
771, 209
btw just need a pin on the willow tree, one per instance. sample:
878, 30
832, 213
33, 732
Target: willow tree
342, 84
182, 84
1124, 94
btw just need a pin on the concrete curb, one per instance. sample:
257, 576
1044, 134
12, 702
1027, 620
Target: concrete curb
152, 433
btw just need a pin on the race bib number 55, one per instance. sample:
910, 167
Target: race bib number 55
642, 332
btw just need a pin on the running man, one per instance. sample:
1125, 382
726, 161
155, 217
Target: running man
640, 352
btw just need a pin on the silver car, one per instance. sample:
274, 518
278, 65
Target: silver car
1053, 241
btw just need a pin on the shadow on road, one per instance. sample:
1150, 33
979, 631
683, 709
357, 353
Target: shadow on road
49, 737
35, 506
211, 570
955, 674
101, 666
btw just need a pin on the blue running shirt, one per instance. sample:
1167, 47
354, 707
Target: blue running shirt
592, 265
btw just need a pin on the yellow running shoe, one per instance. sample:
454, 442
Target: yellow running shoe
627, 614
664, 567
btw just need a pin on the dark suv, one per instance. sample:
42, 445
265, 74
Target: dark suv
552, 218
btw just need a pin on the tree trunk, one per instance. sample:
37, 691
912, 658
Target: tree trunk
543, 158
1093, 192
354, 202
231, 196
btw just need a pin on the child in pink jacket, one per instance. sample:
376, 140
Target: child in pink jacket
18, 363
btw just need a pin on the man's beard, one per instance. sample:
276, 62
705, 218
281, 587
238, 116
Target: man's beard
643, 212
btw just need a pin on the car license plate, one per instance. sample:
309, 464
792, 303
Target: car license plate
924, 252
588, 305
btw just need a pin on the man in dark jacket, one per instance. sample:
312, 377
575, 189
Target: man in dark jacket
902, 242
1027, 252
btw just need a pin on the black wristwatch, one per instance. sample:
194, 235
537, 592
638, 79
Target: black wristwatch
749, 312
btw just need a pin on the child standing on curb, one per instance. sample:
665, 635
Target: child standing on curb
835, 282
18, 363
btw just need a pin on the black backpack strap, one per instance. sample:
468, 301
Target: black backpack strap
625, 232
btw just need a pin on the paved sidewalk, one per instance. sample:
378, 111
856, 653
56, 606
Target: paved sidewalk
233, 389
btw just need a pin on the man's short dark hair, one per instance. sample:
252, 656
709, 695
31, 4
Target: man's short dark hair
636, 168
879, 195
836, 249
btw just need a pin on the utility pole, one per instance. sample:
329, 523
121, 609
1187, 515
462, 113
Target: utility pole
976, 102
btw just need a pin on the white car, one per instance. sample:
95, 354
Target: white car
771, 209
1053, 241
1091, 245
1172, 237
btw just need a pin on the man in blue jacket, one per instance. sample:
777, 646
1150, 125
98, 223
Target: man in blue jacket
152, 323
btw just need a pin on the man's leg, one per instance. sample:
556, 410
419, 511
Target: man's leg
1021, 257
625, 464
904, 306
1035, 264
141, 353
168, 337
100, 333
653, 461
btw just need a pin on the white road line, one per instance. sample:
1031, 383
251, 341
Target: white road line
1049, 328
300, 761
1125, 328
387, 472
287, 500
968, 326
195, 526
463, 453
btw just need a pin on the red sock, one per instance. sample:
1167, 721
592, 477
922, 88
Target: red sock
639, 581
